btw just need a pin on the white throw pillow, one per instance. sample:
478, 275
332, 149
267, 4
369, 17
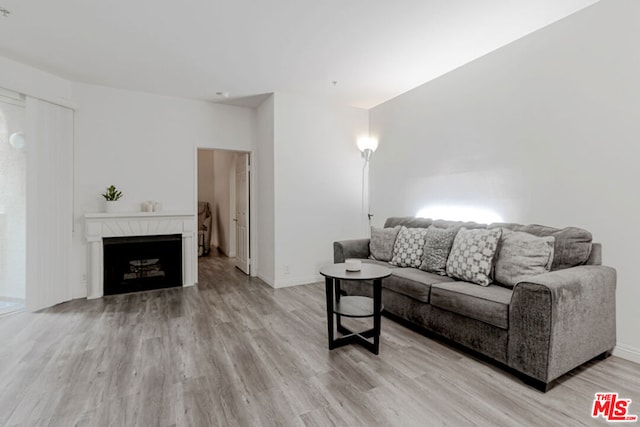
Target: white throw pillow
409, 246
472, 253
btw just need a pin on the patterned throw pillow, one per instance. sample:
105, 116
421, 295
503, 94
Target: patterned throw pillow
471, 257
382, 242
437, 245
521, 255
407, 252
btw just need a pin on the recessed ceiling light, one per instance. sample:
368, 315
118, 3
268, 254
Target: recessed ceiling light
223, 94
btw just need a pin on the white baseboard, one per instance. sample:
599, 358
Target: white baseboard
295, 281
268, 280
79, 291
628, 353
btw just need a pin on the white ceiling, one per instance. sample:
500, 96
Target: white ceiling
374, 49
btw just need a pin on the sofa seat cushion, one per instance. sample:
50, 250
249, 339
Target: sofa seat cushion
413, 283
488, 304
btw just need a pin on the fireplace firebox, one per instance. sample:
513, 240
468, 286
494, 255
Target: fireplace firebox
141, 263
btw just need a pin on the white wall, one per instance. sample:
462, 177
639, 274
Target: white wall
263, 214
317, 182
545, 130
145, 145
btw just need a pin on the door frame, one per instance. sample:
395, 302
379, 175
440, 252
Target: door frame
243, 258
253, 224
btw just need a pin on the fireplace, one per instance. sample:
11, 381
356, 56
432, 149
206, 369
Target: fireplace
142, 263
113, 232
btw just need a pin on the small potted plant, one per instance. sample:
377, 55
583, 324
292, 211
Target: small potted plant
111, 197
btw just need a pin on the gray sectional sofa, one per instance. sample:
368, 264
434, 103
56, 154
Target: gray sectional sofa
542, 327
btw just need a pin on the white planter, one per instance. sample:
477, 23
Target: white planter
112, 206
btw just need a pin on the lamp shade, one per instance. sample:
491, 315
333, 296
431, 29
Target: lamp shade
367, 143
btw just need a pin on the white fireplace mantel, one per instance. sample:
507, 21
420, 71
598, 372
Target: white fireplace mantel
123, 224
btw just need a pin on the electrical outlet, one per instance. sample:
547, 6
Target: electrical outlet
287, 270
84, 277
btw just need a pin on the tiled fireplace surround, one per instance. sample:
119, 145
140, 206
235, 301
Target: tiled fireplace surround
104, 225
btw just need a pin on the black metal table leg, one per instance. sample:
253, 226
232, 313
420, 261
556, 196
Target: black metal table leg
329, 291
377, 303
337, 294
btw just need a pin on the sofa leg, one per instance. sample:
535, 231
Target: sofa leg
604, 355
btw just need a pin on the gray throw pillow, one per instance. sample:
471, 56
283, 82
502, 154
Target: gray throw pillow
572, 246
472, 253
437, 245
407, 251
521, 255
382, 241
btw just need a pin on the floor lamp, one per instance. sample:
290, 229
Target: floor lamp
367, 146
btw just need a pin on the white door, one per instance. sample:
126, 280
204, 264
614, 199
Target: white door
242, 212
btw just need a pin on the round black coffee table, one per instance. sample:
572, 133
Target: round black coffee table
354, 306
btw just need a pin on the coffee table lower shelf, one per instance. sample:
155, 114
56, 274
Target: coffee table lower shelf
356, 307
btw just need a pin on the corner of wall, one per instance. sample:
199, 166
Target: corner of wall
627, 352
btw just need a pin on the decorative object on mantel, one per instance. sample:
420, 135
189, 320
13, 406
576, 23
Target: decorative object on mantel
111, 197
151, 206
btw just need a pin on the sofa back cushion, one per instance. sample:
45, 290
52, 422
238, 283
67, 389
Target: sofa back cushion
572, 245
437, 245
413, 222
472, 254
382, 242
521, 255
469, 225
408, 221
409, 247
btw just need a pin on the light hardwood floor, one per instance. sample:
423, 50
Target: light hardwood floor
232, 351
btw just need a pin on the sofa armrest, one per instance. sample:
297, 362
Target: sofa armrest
358, 248
561, 319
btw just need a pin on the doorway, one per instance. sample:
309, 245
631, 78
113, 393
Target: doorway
13, 199
223, 190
